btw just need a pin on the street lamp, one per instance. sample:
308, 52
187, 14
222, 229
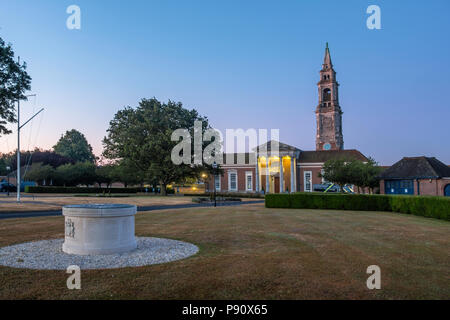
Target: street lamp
7, 177
215, 173
205, 181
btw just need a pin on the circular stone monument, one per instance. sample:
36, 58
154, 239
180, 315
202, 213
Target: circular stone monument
99, 229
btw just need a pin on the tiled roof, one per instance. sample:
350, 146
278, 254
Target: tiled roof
417, 167
323, 156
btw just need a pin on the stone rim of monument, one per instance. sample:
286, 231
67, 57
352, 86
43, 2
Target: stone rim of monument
99, 229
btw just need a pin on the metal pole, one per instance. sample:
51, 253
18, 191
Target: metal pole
215, 173
18, 144
7, 177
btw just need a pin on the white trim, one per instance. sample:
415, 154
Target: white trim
304, 181
248, 174
229, 180
301, 164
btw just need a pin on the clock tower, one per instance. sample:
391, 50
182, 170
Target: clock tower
328, 112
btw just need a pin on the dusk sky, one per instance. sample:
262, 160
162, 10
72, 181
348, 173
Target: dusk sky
243, 64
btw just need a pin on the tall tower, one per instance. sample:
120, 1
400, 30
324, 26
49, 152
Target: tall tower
328, 112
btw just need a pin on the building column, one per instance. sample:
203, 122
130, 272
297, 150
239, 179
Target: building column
292, 175
281, 175
256, 175
267, 176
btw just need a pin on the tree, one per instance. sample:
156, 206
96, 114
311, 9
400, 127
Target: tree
105, 174
358, 173
74, 174
41, 174
371, 174
14, 82
3, 165
73, 145
337, 171
37, 156
142, 137
127, 173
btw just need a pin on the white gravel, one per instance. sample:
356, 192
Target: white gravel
48, 255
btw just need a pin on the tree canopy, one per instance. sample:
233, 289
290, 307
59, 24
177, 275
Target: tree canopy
73, 145
355, 172
142, 138
14, 82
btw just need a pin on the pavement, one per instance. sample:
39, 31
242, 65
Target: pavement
48, 213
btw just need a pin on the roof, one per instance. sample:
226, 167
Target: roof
324, 156
417, 167
281, 146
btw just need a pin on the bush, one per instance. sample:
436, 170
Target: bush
432, 207
41, 189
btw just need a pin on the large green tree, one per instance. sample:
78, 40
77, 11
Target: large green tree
338, 172
73, 145
142, 138
355, 172
14, 82
75, 174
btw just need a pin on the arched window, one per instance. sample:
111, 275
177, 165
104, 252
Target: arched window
326, 94
447, 190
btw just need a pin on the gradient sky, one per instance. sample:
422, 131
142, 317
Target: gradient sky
244, 64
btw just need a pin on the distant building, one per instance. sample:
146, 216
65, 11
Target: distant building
292, 169
416, 176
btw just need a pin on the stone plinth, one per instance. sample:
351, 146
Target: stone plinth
97, 229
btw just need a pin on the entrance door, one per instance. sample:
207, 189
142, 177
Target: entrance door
447, 190
277, 184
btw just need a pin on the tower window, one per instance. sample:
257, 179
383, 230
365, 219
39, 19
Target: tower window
326, 94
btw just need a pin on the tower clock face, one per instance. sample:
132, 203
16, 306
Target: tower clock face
327, 146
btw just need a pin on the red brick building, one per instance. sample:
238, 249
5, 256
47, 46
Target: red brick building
416, 176
285, 168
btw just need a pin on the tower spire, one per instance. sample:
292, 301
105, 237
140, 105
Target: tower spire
328, 112
327, 60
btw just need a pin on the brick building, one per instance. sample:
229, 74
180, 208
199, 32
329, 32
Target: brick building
291, 169
416, 176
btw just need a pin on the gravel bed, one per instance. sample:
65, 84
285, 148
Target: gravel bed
48, 255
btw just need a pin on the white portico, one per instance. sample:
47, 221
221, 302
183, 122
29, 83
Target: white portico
276, 167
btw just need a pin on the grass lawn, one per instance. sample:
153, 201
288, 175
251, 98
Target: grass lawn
250, 252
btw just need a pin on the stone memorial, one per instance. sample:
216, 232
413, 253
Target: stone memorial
99, 229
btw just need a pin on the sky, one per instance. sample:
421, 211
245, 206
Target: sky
243, 64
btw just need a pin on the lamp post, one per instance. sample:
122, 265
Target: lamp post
215, 173
7, 177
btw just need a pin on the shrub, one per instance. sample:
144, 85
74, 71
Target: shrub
432, 207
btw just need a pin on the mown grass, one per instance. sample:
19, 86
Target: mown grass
251, 252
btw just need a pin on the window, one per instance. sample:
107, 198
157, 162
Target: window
307, 180
324, 181
249, 181
217, 182
232, 181
326, 94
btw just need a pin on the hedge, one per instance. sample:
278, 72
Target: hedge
432, 207
41, 189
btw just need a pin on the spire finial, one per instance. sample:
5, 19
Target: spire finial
327, 45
